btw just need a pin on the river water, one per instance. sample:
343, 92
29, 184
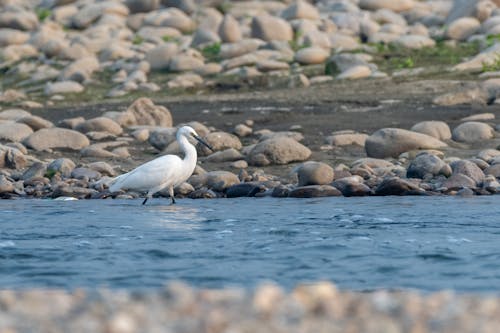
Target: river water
424, 243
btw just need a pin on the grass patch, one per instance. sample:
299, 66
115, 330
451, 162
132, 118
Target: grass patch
492, 67
211, 52
137, 40
390, 58
43, 13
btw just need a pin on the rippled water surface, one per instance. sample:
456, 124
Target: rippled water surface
426, 243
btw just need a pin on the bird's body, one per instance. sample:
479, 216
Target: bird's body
166, 171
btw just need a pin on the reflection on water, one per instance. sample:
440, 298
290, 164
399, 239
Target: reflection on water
359, 243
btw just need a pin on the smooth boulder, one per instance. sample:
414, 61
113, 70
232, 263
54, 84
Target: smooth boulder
61, 138
278, 150
473, 131
315, 173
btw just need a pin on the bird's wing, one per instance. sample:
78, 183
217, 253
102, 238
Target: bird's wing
147, 176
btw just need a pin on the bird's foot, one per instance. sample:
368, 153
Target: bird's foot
145, 199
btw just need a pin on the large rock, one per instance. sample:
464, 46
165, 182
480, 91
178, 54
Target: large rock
63, 87
397, 186
14, 114
12, 158
160, 56
268, 28
14, 132
161, 138
35, 122
391, 142
144, 112
61, 138
64, 166
352, 186
473, 131
300, 10
80, 70
427, 164
220, 180
311, 55
99, 124
463, 28
221, 141
6, 186
396, 6
314, 191
469, 169
142, 6
229, 30
458, 181
437, 129
315, 173
278, 150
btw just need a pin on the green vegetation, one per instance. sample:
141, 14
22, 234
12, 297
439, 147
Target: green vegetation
224, 6
390, 57
492, 39
43, 13
492, 67
211, 52
137, 40
168, 38
294, 43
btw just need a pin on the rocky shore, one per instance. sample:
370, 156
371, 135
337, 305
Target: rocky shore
179, 308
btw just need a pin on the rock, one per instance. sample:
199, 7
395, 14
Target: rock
14, 132
71, 123
479, 117
187, 6
493, 170
347, 138
203, 193
219, 181
61, 138
63, 87
121, 152
472, 131
144, 112
85, 173
314, 173
428, 164
159, 57
269, 28
229, 30
64, 166
221, 141
314, 191
266, 134
12, 37
300, 10
311, 55
391, 142
14, 114
35, 122
352, 186
437, 129
183, 63
242, 130
12, 158
245, 46
396, 186
187, 80
341, 42
278, 150
240, 164
162, 137
463, 28
356, 72
205, 38
414, 42
80, 70
6, 186
101, 124
227, 155
73, 191
487, 57
396, 6
103, 168
469, 169
142, 6
249, 189
458, 181
96, 151
468, 96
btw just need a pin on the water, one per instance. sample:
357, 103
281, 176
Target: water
425, 243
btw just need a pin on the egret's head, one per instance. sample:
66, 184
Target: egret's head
189, 132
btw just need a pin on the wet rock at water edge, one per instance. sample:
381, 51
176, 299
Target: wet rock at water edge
219, 181
428, 164
314, 191
249, 189
314, 173
352, 186
397, 186
469, 169
64, 166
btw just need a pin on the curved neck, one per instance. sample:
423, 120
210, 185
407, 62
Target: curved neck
187, 148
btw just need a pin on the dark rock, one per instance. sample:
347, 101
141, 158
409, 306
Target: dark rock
469, 169
397, 186
426, 164
203, 193
38, 169
314, 191
62, 165
249, 189
458, 181
73, 191
281, 191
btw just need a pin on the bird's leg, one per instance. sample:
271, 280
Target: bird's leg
148, 196
145, 199
171, 192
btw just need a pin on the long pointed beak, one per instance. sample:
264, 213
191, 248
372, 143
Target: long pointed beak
200, 140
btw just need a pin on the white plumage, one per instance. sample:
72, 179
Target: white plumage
166, 171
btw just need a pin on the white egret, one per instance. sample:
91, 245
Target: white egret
167, 171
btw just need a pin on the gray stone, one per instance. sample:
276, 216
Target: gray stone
397, 6
35, 122
437, 129
352, 186
85, 173
249, 189
71, 123
220, 180
268, 28
391, 142
463, 28
300, 10
493, 170
472, 131
142, 6
74, 192
229, 29
14, 114
64, 166
12, 37
427, 164
221, 141
314, 191
144, 112
103, 168
36, 170
159, 57
279, 150
100, 124
49, 138
14, 132
227, 155
314, 173
397, 186
458, 181
161, 138
469, 169
347, 138
80, 70
63, 87
12, 158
